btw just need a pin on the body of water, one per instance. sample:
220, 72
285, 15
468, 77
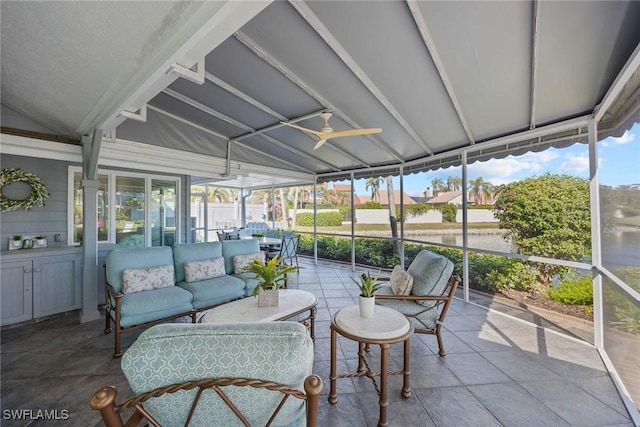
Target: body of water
619, 249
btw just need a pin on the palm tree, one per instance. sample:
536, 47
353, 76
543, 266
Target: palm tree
393, 221
480, 190
454, 183
438, 185
221, 195
374, 185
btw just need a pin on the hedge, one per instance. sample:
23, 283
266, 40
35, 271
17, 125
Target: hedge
325, 219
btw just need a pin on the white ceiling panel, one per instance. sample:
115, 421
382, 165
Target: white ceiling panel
435, 76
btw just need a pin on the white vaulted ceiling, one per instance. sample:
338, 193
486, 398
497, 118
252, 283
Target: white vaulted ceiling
435, 76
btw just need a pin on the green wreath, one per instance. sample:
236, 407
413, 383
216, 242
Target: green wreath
38, 191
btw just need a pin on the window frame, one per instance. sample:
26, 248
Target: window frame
111, 186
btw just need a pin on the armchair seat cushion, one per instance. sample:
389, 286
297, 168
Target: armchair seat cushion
421, 316
148, 306
214, 291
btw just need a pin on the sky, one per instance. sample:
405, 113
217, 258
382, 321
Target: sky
619, 160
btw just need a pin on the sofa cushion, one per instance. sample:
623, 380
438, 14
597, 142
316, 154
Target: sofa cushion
431, 273
147, 279
120, 259
148, 306
231, 248
203, 270
214, 291
194, 252
250, 282
167, 354
241, 261
401, 282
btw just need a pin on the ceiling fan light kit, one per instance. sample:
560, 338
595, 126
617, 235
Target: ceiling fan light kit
326, 132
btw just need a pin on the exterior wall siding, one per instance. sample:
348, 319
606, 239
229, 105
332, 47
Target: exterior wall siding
51, 219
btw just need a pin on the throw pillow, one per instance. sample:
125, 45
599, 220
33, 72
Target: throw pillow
146, 279
401, 282
203, 270
241, 261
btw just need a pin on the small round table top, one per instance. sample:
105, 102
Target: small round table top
386, 323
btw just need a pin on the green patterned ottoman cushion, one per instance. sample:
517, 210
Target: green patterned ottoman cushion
166, 354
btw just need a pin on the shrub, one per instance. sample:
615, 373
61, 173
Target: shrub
448, 212
371, 204
577, 291
325, 219
514, 274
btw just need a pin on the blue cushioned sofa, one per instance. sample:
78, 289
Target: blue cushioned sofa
177, 297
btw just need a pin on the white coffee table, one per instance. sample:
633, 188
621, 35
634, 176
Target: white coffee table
291, 302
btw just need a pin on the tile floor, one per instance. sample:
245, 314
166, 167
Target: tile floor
498, 371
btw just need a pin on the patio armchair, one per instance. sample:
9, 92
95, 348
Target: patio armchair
217, 374
423, 293
288, 250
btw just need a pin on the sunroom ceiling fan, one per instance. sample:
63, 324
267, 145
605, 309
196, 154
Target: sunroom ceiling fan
326, 132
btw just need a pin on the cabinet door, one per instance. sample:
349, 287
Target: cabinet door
56, 284
15, 292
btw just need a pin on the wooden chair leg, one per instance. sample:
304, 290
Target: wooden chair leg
117, 351
441, 351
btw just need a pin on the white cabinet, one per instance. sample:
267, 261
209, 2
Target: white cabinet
39, 285
16, 291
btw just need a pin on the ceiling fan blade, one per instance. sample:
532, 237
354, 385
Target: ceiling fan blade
311, 131
352, 132
320, 143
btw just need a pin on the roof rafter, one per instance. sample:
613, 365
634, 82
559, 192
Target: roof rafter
312, 19
216, 134
534, 60
251, 132
430, 44
240, 94
267, 57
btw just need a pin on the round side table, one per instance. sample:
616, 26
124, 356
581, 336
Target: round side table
386, 327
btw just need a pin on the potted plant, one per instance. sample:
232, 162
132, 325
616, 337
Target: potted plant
15, 242
270, 274
41, 241
368, 286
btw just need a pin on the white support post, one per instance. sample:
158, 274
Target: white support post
465, 230
90, 151
596, 253
353, 224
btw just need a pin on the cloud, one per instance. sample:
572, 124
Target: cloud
624, 139
502, 171
575, 164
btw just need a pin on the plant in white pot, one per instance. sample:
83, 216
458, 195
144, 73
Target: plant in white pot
15, 242
368, 286
270, 274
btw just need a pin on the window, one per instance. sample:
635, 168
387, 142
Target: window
133, 209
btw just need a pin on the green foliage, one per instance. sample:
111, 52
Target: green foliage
371, 204
325, 219
270, 274
577, 291
547, 216
345, 211
448, 212
415, 210
367, 284
625, 313
515, 274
